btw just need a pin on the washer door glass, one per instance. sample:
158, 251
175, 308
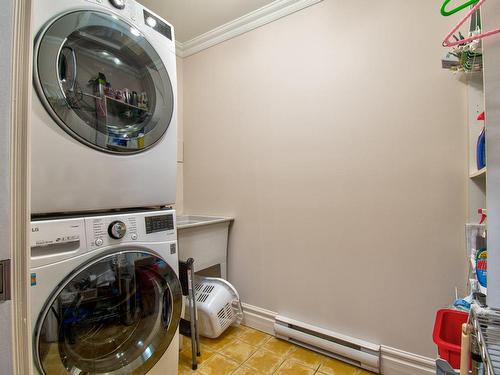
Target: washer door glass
103, 82
116, 315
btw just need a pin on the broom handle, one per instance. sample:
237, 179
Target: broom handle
465, 350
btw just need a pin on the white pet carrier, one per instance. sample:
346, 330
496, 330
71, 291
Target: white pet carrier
218, 305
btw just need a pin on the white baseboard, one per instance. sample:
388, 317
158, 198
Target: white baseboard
393, 361
258, 318
399, 362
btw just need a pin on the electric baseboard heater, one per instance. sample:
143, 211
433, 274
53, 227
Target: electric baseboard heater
344, 348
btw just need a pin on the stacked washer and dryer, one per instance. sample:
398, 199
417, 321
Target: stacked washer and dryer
106, 297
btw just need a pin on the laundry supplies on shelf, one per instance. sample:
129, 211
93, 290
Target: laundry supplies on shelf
481, 145
481, 269
481, 150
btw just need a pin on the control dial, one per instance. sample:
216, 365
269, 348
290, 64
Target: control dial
117, 229
119, 4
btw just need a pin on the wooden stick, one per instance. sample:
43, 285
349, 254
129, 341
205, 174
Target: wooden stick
465, 350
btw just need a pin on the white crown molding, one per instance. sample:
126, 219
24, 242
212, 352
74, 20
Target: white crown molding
178, 48
269, 13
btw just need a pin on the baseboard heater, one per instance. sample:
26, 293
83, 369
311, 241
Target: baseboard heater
351, 350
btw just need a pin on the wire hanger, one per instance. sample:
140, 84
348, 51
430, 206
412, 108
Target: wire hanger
448, 43
446, 13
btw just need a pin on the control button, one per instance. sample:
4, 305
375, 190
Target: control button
151, 22
119, 4
117, 229
98, 242
134, 236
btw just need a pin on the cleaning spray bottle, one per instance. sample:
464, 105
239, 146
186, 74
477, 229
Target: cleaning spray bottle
481, 146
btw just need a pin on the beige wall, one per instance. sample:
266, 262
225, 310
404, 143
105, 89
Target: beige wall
338, 143
180, 137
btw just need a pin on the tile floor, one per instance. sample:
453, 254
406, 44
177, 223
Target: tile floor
245, 351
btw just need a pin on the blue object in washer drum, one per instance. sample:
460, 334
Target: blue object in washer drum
481, 150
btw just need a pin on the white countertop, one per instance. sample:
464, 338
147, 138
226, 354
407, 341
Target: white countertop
190, 221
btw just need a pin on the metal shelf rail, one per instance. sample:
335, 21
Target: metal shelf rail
486, 324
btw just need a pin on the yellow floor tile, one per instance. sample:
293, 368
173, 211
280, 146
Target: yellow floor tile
244, 370
184, 370
217, 365
229, 334
242, 328
254, 338
238, 351
246, 351
279, 347
186, 341
264, 361
185, 357
333, 367
184, 362
307, 358
290, 367
216, 344
234, 331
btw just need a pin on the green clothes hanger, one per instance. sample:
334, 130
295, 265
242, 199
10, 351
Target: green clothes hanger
445, 12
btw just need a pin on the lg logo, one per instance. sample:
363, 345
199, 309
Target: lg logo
35, 229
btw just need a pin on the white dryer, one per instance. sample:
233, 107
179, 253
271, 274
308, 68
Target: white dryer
106, 297
104, 107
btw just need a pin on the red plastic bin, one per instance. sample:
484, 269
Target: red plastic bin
447, 334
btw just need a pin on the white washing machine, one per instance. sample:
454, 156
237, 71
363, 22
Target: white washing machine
104, 107
106, 297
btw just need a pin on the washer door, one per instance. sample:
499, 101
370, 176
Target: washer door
103, 82
115, 315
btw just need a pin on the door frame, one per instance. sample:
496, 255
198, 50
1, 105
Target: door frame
20, 160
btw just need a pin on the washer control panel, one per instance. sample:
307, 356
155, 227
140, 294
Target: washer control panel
56, 240
130, 228
46, 234
159, 223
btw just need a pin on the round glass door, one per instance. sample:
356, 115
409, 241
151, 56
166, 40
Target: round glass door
116, 315
103, 82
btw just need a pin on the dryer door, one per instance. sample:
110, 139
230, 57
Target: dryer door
103, 82
117, 314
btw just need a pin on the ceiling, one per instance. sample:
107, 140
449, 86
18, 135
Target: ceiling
195, 17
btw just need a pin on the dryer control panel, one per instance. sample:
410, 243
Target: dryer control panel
156, 226
128, 9
138, 14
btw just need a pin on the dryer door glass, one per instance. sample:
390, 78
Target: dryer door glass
115, 315
103, 82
